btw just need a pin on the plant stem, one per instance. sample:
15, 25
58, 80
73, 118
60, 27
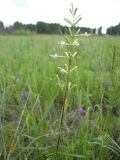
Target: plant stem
63, 109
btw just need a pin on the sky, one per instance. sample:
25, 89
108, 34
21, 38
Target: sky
95, 13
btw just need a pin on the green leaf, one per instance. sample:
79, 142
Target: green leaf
78, 17
75, 11
72, 8
73, 69
78, 31
77, 21
68, 40
70, 31
72, 155
68, 21
70, 11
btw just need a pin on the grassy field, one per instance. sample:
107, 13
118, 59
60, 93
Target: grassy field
31, 101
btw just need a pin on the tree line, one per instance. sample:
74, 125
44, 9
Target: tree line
114, 30
52, 28
40, 28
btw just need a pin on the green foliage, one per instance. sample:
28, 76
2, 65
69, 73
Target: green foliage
39, 28
114, 30
27, 69
1, 27
100, 31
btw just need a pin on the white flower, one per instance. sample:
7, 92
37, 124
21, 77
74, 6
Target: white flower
54, 56
74, 54
61, 43
67, 54
62, 70
76, 43
73, 69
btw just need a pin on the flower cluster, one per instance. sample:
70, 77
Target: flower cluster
25, 98
80, 112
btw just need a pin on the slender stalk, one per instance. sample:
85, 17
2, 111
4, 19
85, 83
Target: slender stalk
69, 45
63, 110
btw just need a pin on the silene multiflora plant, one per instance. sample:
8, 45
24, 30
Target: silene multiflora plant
69, 45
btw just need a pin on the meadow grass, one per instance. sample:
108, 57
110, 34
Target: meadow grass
31, 101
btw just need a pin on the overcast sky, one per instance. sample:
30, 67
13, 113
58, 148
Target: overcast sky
95, 13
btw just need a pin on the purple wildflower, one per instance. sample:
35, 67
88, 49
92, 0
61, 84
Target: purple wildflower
80, 112
24, 97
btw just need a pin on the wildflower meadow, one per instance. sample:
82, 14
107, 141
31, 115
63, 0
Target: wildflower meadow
60, 96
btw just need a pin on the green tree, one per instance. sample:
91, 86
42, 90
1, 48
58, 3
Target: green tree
18, 26
30, 27
1, 27
114, 30
100, 30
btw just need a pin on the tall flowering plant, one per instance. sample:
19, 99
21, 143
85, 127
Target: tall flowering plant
70, 46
